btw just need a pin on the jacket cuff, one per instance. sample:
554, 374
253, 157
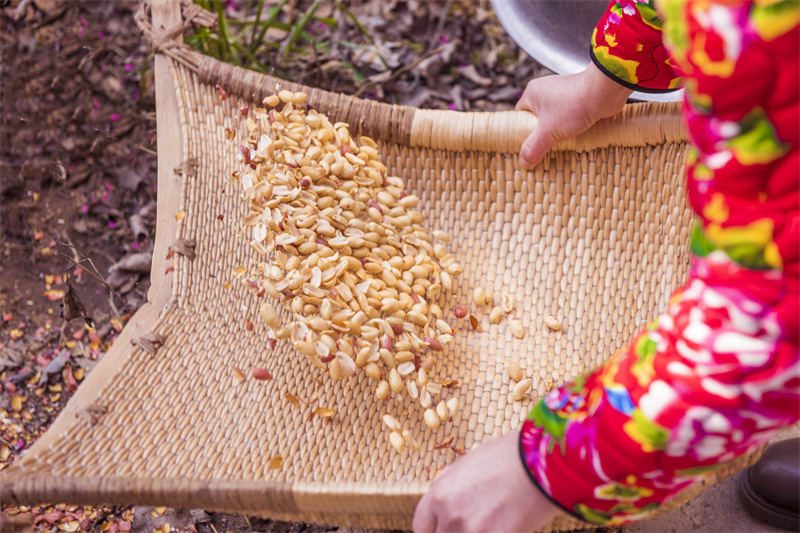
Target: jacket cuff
624, 83
523, 453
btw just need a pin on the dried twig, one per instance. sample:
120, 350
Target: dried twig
79, 262
399, 71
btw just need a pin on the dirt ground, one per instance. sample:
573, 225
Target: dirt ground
78, 193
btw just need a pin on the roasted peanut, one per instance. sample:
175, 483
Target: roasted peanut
521, 389
516, 328
349, 257
552, 323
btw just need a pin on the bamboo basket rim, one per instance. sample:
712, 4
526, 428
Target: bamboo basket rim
502, 131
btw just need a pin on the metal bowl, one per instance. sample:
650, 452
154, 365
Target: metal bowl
558, 34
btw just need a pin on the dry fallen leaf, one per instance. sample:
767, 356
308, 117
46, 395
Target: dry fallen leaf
239, 271
180, 215
276, 463
69, 527
72, 307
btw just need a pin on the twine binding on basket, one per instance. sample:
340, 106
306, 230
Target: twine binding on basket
188, 168
164, 41
150, 343
184, 247
92, 413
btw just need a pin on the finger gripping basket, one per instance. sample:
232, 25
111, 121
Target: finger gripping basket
596, 236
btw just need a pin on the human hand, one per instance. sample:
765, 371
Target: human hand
566, 106
486, 490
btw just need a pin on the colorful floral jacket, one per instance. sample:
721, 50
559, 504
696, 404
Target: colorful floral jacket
718, 373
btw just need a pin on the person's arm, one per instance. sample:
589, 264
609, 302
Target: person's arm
490, 489
627, 54
719, 372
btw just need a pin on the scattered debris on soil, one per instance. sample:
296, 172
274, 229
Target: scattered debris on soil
439, 55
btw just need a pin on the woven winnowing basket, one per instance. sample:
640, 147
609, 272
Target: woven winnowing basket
595, 236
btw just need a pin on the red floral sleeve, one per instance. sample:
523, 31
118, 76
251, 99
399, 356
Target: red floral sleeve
627, 46
718, 373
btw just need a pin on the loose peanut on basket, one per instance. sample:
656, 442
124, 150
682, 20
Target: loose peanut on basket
460, 311
382, 391
442, 411
397, 441
516, 328
521, 389
431, 419
552, 323
514, 371
269, 315
479, 297
452, 407
342, 245
508, 303
410, 440
392, 423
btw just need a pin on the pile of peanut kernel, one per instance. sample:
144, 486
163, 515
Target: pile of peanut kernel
350, 257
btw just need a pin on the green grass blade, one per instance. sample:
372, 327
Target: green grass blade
270, 22
225, 36
258, 20
328, 21
299, 27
